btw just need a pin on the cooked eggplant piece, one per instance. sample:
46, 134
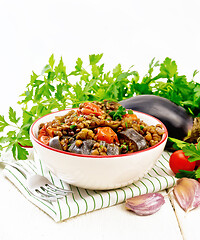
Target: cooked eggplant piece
112, 149
84, 148
175, 118
135, 140
55, 143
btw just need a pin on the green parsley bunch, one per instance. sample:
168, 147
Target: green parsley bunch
55, 89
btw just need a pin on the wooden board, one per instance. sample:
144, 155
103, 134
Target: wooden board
20, 216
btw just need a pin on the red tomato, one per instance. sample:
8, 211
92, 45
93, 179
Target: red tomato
45, 139
87, 111
106, 134
133, 116
91, 108
44, 136
178, 161
50, 131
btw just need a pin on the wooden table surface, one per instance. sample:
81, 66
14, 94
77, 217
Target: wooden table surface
129, 32
19, 216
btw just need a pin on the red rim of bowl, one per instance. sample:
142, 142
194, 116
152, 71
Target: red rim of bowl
96, 156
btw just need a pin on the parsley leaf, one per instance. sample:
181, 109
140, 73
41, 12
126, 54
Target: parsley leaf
178, 144
51, 61
192, 151
46, 69
19, 152
12, 116
197, 173
187, 174
130, 111
95, 58
3, 123
118, 114
168, 68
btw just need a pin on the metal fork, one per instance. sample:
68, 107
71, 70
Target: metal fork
39, 185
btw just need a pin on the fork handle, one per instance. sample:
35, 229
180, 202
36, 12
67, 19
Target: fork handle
16, 166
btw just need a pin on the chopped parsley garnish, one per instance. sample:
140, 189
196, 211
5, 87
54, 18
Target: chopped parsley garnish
72, 126
130, 111
118, 114
124, 145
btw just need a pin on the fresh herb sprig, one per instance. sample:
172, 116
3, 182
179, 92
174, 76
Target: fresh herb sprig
118, 114
15, 137
55, 89
188, 174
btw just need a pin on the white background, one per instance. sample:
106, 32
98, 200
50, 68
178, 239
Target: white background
127, 32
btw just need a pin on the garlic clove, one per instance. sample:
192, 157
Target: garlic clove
187, 193
145, 204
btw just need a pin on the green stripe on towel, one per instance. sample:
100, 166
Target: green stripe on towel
83, 200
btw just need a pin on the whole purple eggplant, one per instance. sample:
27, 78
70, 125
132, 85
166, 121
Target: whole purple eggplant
175, 117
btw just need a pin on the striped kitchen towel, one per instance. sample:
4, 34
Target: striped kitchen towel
82, 200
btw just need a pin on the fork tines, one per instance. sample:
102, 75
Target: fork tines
46, 196
55, 189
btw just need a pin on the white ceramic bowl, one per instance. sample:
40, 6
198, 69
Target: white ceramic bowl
97, 172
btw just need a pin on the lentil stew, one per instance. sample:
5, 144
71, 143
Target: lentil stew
99, 128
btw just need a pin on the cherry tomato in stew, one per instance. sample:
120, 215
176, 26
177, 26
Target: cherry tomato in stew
132, 116
91, 108
106, 134
178, 161
45, 139
44, 136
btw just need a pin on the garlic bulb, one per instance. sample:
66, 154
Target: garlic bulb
146, 204
187, 193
